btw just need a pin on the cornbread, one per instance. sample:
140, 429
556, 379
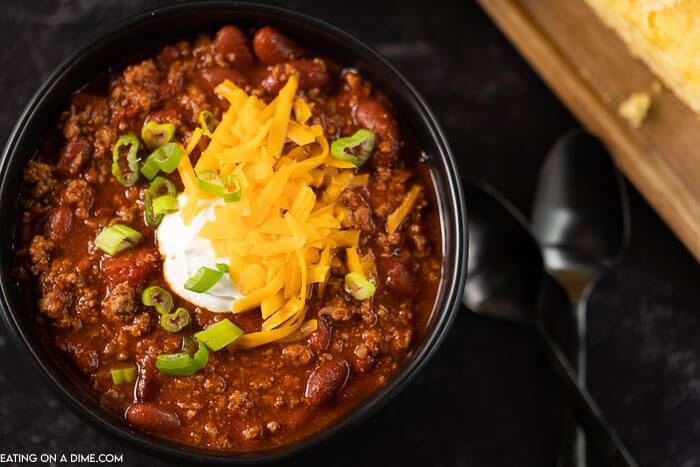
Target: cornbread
634, 109
665, 34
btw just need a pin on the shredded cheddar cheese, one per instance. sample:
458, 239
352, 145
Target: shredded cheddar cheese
282, 233
393, 220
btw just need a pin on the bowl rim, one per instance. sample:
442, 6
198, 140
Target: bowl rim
452, 289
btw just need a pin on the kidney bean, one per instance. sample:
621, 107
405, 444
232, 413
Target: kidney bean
336, 312
59, 223
73, 156
321, 337
82, 352
132, 266
374, 116
233, 45
217, 75
271, 46
164, 116
310, 73
327, 380
150, 417
146, 386
396, 275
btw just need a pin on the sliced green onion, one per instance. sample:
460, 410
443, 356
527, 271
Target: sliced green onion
159, 188
207, 121
223, 267
182, 363
159, 298
232, 188
356, 148
117, 238
190, 344
150, 168
126, 172
209, 181
204, 279
164, 204
220, 334
165, 158
359, 287
228, 186
156, 134
174, 322
123, 374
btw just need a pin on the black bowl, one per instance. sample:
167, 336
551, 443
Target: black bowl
159, 27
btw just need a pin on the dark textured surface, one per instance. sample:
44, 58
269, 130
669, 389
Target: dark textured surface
488, 397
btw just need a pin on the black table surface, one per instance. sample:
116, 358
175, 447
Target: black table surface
488, 397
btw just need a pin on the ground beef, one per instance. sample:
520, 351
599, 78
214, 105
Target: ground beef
401, 339
240, 402
67, 300
387, 190
105, 137
87, 114
358, 213
135, 91
297, 354
120, 303
40, 254
194, 100
372, 340
421, 245
39, 176
336, 312
141, 324
252, 432
80, 195
273, 426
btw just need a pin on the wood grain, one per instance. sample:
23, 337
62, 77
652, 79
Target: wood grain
592, 71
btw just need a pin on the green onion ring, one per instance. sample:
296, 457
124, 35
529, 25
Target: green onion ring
165, 158
160, 186
156, 134
356, 148
358, 286
164, 204
207, 121
228, 186
183, 364
175, 321
126, 173
159, 298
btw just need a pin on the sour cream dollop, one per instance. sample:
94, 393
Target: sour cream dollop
184, 252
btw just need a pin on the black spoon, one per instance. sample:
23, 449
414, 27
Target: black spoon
580, 218
505, 278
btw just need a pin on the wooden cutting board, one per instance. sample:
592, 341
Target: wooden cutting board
592, 72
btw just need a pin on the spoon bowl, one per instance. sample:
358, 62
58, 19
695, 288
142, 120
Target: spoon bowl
504, 280
505, 268
580, 216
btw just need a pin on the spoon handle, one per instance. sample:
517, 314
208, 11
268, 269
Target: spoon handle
589, 416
